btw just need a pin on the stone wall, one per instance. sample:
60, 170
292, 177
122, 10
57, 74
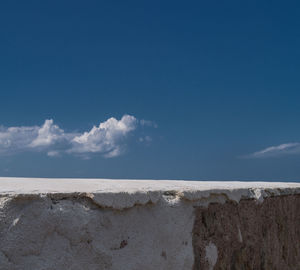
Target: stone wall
248, 235
129, 224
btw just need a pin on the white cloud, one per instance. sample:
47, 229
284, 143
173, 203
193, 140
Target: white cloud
107, 139
48, 134
53, 153
147, 139
279, 150
16, 138
148, 123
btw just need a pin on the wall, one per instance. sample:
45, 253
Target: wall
117, 224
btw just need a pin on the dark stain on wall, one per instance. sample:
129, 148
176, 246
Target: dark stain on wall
249, 235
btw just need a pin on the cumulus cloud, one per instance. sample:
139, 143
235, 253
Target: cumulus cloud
107, 139
279, 150
48, 134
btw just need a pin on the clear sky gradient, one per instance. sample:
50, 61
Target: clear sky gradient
217, 81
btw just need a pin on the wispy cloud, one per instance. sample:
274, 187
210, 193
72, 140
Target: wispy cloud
275, 151
107, 139
148, 123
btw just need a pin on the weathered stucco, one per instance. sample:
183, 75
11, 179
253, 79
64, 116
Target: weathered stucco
131, 224
249, 235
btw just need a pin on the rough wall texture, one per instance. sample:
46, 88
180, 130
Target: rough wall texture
149, 225
248, 235
74, 233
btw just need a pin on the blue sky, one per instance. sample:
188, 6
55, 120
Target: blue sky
204, 90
